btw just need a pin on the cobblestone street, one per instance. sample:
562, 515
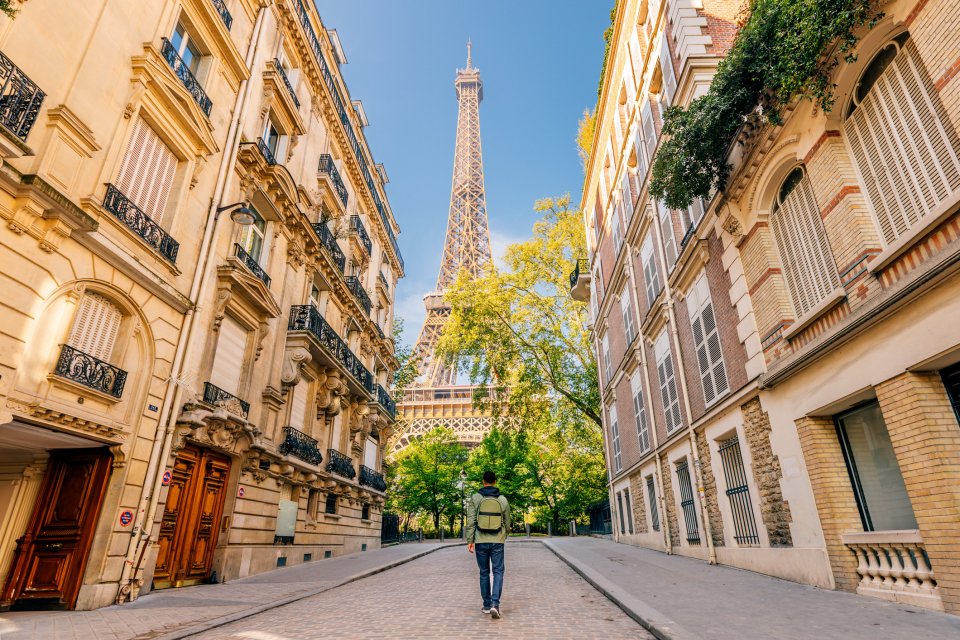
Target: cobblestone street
438, 597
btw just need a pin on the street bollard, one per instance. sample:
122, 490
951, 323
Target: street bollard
441, 534
527, 525
573, 528
420, 535
549, 529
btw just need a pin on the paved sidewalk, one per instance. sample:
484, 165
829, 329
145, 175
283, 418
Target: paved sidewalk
176, 613
680, 598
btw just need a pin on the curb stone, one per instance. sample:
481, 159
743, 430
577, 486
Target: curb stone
660, 625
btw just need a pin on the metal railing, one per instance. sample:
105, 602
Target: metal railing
267, 153
221, 8
382, 279
580, 266
286, 81
140, 223
738, 492
327, 167
186, 76
214, 395
329, 242
340, 464
300, 445
306, 317
356, 226
373, 479
353, 283
20, 99
89, 371
379, 331
390, 527
686, 503
251, 264
385, 401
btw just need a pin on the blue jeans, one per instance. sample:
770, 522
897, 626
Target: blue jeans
490, 557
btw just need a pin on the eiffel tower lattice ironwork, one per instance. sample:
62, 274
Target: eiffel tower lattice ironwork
436, 399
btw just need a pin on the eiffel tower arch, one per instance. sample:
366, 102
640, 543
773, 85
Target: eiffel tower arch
436, 399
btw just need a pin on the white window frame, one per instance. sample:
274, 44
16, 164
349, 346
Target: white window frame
706, 341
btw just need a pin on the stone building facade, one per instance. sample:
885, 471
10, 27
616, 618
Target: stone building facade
779, 365
198, 268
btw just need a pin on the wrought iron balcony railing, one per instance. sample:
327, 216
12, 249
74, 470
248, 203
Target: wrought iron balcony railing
306, 317
329, 242
214, 395
372, 479
186, 76
379, 331
286, 81
340, 464
385, 401
265, 150
300, 445
353, 283
251, 264
20, 99
580, 266
328, 168
221, 8
140, 223
689, 234
84, 369
356, 226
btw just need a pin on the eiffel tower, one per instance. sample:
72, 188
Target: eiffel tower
436, 399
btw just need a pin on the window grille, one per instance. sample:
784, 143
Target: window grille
686, 503
738, 492
668, 382
331, 504
652, 498
95, 327
639, 411
651, 276
629, 507
706, 340
623, 521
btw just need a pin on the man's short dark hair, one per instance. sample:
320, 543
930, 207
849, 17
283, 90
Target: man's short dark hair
489, 477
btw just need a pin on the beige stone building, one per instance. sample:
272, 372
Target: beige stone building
779, 365
197, 265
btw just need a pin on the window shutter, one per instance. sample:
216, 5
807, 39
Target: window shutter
607, 372
370, 453
666, 67
641, 150
666, 232
615, 435
639, 411
628, 200
95, 326
617, 232
651, 276
298, 406
228, 361
649, 130
626, 311
706, 340
146, 174
668, 382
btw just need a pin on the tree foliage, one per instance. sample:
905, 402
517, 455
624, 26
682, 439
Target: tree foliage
586, 130
409, 367
424, 477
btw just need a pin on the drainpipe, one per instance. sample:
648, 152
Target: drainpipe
665, 523
163, 440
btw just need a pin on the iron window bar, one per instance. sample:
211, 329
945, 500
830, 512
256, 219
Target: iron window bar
217, 397
140, 223
356, 288
340, 464
329, 242
300, 445
267, 153
286, 81
20, 99
385, 401
654, 512
686, 503
373, 479
84, 369
326, 167
738, 492
251, 264
306, 317
221, 8
189, 81
356, 226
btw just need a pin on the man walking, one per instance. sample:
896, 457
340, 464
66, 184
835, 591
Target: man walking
488, 521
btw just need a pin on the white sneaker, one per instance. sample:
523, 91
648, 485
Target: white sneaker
495, 612
485, 610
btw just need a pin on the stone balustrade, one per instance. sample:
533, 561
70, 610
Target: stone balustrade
893, 565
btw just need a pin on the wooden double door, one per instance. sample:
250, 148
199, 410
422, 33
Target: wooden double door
191, 518
49, 560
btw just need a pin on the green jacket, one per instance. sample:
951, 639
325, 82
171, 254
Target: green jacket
474, 535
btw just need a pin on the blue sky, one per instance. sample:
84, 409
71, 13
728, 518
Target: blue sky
540, 62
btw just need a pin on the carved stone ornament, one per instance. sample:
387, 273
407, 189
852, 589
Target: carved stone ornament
218, 427
358, 413
251, 466
293, 362
732, 226
223, 297
331, 391
262, 332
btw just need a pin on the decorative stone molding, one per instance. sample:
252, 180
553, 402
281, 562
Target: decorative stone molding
292, 368
66, 421
219, 428
331, 393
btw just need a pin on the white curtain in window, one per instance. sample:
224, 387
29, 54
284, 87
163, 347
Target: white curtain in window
146, 174
95, 326
228, 360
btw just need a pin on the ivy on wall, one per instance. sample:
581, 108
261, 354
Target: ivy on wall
785, 49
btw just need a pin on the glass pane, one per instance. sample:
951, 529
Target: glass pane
191, 57
177, 37
873, 462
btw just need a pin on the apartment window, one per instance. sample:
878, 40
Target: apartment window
626, 312
951, 380
186, 48
706, 341
874, 472
331, 505
641, 151
228, 360
690, 218
668, 382
95, 327
298, 406
629, 507
651, 276
627, 195
649, 129
615, 435
147, 171
666, 233
652, 499
623, 520
686, 503
313, 503
315, 296
738, 493
668, 84
607, 366
639, 411
272, 137
902, 140
252, 237
617, 231
805, 254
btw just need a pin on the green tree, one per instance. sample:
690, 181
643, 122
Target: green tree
426, 474
409, 363
507, 453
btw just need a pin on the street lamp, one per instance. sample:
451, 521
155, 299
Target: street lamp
462, 484
241, 214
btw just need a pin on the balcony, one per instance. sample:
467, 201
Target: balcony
580, 281
300, 445
372, 479
358, 231
383, 284
327, 168
307, 318
20, 100
186, 76
217, 397
221, 8
267, 153
286, 81
140, 223
893, 565
251, 264
353, 283
329, 242
379, 330
84, 369
340, 464
385, 401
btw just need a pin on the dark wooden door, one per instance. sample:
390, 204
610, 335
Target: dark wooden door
48, 566
191, 517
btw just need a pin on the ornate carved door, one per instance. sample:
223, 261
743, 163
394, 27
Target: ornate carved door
50, 558
191, 517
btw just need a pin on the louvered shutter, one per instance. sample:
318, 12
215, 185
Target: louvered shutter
641, 151
615, 435
628, 199
666, 66
617, 232
651, 276
146, 174
298, 406
649, 130
639, 411
626, 311
228, 360
805, 254
666, 232
607, 369
904, 145
370, 453
668, 382
95, 327
706, 340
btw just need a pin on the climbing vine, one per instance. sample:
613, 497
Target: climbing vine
607, 37
785, 49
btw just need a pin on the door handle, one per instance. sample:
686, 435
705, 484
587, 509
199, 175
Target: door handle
53, 546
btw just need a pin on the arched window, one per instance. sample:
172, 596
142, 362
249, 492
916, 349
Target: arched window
901, 139
808, 264
95, 326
